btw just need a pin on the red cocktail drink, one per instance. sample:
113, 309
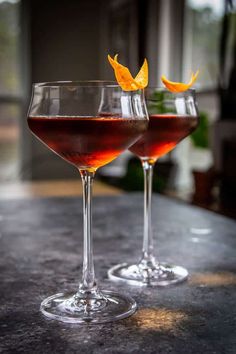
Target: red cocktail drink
87, 142
163, 134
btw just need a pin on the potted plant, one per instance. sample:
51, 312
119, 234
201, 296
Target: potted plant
201, 162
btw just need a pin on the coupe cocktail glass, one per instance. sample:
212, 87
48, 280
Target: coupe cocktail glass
172, 117
88, 124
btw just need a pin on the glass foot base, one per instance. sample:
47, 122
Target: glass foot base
105, 306
162, 274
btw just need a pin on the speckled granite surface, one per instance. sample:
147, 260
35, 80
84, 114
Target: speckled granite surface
41, 253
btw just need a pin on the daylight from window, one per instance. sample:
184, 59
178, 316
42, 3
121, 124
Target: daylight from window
9, 89
203, 20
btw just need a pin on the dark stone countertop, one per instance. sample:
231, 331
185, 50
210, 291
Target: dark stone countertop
41, 253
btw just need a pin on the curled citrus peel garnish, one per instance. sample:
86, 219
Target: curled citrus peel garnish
177, 87
124, 77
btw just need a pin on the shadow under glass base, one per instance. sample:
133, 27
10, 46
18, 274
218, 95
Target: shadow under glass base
104, 306
162, 274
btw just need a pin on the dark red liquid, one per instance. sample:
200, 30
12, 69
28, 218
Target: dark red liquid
163, 134
87, 142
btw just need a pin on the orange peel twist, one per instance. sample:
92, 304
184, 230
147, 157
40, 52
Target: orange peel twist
124, 77
178, 87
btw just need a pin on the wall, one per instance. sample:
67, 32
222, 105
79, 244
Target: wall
65, 43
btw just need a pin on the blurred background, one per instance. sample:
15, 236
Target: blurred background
70, 39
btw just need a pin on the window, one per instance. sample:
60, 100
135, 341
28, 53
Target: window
202, 31
10, 100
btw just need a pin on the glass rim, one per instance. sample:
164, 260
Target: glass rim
161, 89
77, 83
104, 83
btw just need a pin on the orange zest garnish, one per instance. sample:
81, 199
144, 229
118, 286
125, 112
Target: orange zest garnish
179, 86
124, 77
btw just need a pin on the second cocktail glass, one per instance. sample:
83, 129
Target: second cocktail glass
88, 124
172, 117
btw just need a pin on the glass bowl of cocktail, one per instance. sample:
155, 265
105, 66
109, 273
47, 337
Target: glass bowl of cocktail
88, 124
173, 115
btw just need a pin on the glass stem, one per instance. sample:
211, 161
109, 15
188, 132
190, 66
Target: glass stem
88, 283
147, 255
